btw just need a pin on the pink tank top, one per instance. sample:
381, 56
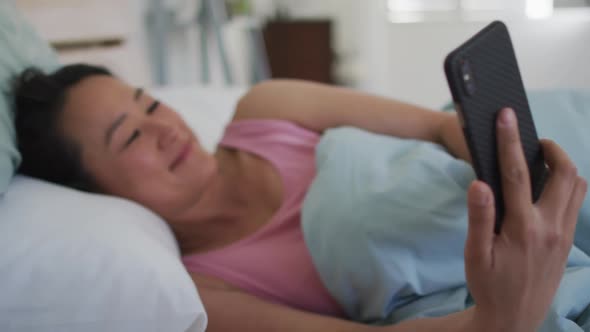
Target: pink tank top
273, 263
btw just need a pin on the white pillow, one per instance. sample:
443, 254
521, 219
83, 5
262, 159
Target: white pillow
71, 261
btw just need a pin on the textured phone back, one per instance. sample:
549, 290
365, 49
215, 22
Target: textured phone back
498, 85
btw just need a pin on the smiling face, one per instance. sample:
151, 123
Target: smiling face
135, 147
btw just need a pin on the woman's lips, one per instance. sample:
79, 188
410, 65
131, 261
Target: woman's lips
182, 155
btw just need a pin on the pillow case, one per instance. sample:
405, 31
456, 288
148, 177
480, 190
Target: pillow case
20, 47
71, 261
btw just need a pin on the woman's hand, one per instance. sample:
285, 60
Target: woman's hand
513, 276
451, 137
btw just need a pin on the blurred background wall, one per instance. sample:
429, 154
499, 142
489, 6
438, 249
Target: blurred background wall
389, 47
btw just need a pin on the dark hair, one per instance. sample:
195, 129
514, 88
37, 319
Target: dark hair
46, 152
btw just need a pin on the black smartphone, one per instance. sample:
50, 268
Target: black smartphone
483, 77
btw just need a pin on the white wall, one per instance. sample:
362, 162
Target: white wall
398, 60
406, 60
92, 21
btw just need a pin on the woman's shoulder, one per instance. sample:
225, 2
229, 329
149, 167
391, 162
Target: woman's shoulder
268, 130
262, 122
210, 282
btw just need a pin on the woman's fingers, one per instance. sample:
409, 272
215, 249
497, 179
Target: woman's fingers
480, 237
561, 181
575, 203
516, 188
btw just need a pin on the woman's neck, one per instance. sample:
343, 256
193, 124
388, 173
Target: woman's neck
216, 216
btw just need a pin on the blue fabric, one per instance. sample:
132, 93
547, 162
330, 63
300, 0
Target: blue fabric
20, 47
385, 221
564, 116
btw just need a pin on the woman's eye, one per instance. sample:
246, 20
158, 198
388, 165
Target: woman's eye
152, 107
133, 137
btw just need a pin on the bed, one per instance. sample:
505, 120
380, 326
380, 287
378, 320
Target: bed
72, 261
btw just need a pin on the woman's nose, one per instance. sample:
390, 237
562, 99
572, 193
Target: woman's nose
167, 138
164, 133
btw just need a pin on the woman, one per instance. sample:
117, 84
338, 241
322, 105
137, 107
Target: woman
84, 128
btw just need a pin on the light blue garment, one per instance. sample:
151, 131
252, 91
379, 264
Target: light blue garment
20, 47
564, 116
386, 220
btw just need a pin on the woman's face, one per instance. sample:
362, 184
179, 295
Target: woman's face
135, 147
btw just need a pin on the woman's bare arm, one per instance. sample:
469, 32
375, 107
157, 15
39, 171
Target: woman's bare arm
229, 310
238, 311
319, 107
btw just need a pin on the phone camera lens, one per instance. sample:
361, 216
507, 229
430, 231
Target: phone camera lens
467, 76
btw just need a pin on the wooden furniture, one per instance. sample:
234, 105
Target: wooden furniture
300, 49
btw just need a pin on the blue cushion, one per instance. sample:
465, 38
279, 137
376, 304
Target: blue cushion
20, 47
